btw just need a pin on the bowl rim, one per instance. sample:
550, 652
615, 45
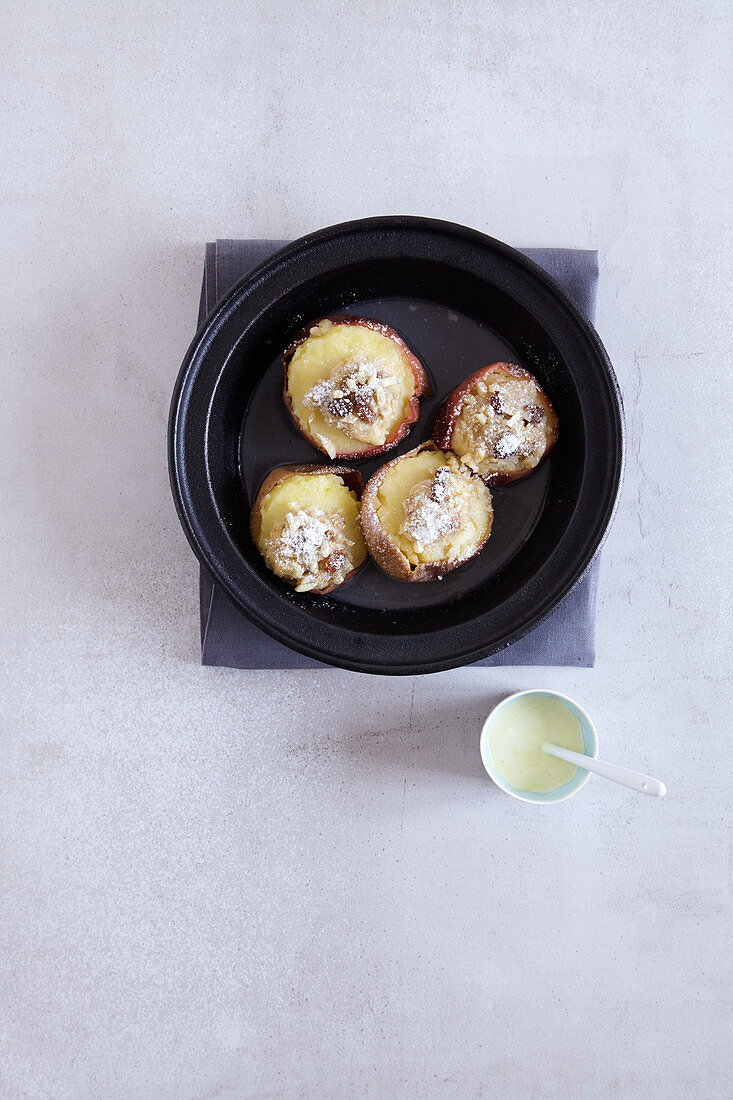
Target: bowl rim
360, 658
485, 750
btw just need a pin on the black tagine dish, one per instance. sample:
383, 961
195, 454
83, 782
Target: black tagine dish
458, 301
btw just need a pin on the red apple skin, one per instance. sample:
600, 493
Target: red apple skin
442, 433
422, 385
351, 478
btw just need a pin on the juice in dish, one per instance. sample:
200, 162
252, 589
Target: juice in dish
517, 734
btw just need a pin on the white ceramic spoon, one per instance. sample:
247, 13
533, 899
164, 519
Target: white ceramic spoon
635, 780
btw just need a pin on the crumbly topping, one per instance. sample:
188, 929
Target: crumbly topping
310, 547
361, 392
496, 401
506, 445
533, 414
501, 420
434, 508
323, 326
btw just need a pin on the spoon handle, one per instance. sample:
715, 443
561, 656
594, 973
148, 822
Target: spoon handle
638, 782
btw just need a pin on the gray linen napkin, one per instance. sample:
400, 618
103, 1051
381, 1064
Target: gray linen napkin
565, 637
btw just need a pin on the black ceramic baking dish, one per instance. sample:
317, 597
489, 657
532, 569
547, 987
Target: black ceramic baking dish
461, 300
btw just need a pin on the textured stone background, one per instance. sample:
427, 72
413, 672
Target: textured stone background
225, 885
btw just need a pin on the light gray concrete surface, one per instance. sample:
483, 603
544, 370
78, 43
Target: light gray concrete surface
227, 885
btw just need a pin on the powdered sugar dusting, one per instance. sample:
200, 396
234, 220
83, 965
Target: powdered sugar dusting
361, 389
432, 509
303, 536
319, 394
310, 547
506, 445
441, 488
502, 426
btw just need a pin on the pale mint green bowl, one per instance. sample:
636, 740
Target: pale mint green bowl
581, 777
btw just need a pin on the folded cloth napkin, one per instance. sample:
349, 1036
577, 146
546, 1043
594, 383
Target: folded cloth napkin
565, 637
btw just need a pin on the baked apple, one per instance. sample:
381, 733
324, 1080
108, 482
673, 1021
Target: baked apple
305, 523
499, 421
424, 514
352, 386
